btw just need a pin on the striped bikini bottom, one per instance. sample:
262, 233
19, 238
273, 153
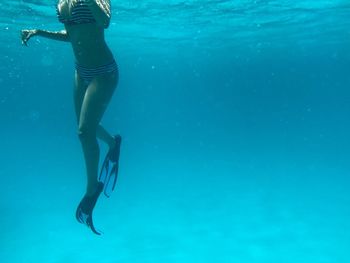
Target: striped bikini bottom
87, 74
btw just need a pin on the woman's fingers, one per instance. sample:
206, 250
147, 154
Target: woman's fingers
26, 35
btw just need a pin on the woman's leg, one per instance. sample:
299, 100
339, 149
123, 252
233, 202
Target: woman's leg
79, 93
103, 135
94, 103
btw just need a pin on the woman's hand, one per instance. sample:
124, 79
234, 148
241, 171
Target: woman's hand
86, 2
89, 2
27, 34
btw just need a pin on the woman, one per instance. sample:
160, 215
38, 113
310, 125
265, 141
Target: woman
96, 77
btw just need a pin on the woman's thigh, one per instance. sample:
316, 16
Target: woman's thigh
95, 101
79, 94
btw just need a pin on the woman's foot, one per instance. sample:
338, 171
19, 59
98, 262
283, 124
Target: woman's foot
110, 167
86, 206
114, 151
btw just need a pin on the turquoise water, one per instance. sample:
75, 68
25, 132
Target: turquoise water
235, 124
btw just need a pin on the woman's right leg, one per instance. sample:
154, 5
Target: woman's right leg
103, 135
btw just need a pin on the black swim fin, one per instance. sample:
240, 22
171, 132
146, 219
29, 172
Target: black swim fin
110, 166
85, 208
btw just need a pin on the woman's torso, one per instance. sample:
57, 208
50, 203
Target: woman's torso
87, 38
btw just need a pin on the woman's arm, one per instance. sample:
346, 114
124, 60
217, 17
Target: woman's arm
59, 35
101, 10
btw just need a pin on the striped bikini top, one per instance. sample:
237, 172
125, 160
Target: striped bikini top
81, 14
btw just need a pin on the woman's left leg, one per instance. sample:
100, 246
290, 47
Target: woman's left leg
79, 94
96, 99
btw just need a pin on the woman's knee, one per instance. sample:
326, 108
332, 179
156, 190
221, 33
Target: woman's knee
86, 133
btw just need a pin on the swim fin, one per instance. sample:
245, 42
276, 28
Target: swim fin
85, 208
110, 166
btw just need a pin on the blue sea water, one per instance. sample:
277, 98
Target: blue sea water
235, 124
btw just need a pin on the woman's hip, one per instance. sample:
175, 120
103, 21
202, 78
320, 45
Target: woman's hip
88, 74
